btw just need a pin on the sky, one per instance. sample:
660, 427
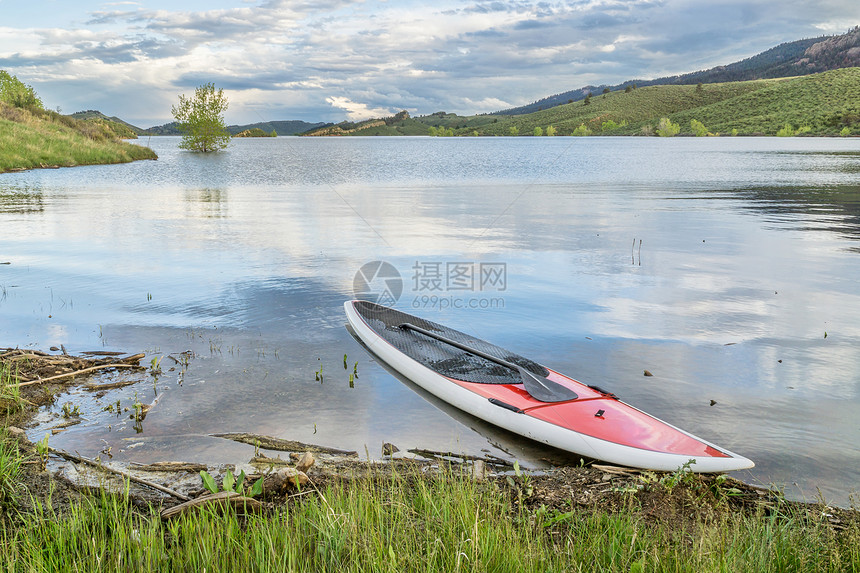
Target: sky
335, 60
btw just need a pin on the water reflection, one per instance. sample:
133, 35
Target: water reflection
15, 199
833, 209
212, 203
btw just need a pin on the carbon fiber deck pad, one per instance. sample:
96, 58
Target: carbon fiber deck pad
444, 358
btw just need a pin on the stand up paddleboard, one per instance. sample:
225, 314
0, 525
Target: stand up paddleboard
528, 399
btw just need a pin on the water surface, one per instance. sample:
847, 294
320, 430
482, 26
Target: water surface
717, 264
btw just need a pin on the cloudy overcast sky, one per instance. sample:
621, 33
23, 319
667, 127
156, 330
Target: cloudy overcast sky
330, 60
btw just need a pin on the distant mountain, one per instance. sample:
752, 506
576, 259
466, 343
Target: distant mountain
802, 57
166, 129
285, 127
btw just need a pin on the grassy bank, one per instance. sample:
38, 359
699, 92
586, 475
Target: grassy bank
32, 138
408, 520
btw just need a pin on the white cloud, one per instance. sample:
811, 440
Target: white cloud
357, 111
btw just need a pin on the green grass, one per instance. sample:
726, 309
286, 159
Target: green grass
11, 461
10, 393
32, 138
408, 521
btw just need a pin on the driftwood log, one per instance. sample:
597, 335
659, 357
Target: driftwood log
170, 467
270, 443
266, 461
488, 459
159, 487
221, 500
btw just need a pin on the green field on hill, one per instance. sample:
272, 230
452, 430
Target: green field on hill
824, 103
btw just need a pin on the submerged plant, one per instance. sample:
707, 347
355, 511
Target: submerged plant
71, 410
319, 373
138, 414
43, 449
155, 367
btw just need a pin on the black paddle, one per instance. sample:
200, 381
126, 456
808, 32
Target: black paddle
538, 387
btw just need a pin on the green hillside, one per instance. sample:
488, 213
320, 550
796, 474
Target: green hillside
32, 138
398, 124
825, 103
255, 132
122, 129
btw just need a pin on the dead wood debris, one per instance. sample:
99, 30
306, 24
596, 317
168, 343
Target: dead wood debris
27, 367
222, 499
452, 456
270, 443
99, 465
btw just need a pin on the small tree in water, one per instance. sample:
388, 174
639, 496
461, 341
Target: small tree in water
201, 120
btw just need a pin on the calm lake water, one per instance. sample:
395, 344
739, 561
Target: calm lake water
727, 267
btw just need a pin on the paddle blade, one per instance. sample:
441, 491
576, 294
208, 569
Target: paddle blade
545, 390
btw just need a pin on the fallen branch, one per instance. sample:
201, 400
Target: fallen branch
17, 352
71, 374
222, 498
93, 387
270, 443
14, 356
617, 470
102, 353
170, 467
493, 460
161, 488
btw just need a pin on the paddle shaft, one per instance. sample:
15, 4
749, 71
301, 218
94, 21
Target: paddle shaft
461, 346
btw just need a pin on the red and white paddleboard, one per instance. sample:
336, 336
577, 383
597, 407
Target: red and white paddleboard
528, 399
